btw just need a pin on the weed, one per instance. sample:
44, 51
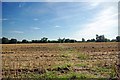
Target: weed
82, 56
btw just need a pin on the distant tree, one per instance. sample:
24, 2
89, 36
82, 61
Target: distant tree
88, 40
59, 40
13, 41
67, 40
49, 41
97, 37
0, 40
72, 41
118, 38
100, 38
24, 41
92, 40
63, 40
19, 42
107, 40
44, 40
53, 41
5, 40
113, 40
33, 41
36, 41
83, 40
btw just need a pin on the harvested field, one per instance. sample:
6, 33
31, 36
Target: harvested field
60, 60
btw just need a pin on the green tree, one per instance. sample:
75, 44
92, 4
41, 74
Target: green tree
67, 40
59, 40
13, 41
118, 38
24, 41
113, 40
83, 40
100, 38
5, 40
44, 40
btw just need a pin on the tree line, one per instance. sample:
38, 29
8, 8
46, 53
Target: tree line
100, 38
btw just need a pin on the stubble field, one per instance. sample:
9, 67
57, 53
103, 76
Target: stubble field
60, 60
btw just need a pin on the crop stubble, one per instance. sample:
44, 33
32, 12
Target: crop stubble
94, 60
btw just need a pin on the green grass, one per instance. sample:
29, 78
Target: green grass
81, 65
62, 66
82, 56
104, 70
65, 55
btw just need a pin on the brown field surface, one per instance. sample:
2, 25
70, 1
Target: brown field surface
60, 60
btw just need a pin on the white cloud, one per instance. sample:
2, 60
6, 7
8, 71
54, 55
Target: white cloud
36, 28
4, 19
64, 17
35, 19
105, 22
18, 32
95, 4
57, 26
92, 5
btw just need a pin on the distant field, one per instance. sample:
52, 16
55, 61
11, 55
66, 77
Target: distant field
60, 60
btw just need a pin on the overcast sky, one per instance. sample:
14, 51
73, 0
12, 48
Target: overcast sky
75, 20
